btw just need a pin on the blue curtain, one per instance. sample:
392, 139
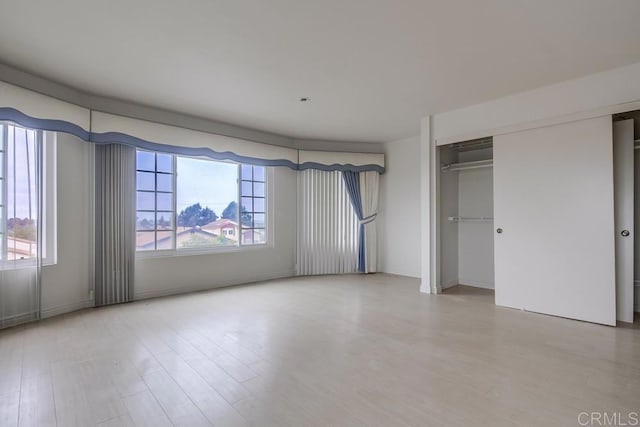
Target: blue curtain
352, 182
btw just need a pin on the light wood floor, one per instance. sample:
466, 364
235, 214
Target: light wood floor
350, 350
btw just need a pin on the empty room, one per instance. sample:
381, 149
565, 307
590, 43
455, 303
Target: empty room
329, 213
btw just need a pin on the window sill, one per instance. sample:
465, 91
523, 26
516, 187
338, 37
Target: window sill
25, 263
200, 252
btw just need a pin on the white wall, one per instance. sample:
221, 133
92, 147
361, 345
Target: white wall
66, 285
609, 88
171, 275
399, 209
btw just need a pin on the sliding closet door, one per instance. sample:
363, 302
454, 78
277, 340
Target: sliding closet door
623, 163
554, 220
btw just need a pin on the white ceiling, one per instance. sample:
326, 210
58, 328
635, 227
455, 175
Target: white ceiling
372, 68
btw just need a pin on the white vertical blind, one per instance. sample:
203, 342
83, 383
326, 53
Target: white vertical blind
327, 225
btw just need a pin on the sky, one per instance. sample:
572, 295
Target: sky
212, 184
19, 207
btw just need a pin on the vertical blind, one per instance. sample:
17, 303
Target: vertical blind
327, 225
115, 223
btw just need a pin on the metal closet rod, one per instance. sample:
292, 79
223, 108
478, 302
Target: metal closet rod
471, 218
468, 165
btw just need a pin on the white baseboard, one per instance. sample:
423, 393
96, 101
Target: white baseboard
46, 313
399, 273
17, 319
55, 311
450, 284
476, 284
153, 293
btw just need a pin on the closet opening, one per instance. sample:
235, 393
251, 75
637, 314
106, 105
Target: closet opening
626, 158
465, 216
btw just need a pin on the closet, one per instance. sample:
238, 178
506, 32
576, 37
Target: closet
530, 213
466, 214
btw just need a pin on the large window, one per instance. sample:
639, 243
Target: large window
192, 203
26, 176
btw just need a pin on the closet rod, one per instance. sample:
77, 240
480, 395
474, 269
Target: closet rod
470, 218
467, 165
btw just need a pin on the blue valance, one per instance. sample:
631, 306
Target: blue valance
37, 111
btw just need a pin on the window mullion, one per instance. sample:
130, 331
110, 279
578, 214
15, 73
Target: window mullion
5, 197
174, 162
239, 215
155, 202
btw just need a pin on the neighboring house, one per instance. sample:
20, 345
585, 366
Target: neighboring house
223, 232
18, 248
223, 227
145, 240
254, 236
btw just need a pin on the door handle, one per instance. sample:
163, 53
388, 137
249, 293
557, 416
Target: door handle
625, 233
499, 230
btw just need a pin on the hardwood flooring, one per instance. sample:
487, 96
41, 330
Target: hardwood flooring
335, 350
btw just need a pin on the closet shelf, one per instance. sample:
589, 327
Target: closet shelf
470, 218
467, 165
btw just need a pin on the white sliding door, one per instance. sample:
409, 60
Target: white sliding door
623, 158
553, 203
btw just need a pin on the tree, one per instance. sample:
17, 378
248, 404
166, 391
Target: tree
22, 229
163, 223
246, 216
196, 215
145, 224
231, 211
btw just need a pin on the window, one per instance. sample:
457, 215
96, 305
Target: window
154, 201
207, 203
252, 189
186, 203
27, 179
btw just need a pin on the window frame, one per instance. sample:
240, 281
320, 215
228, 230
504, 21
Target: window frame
253, 197
46, 145
155, 192
239, 246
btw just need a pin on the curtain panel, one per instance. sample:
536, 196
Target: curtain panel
115, 223
363, 190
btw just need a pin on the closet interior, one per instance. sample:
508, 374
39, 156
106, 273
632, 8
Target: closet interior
466, 214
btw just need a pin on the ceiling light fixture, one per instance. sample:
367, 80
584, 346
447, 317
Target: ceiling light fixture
304, 99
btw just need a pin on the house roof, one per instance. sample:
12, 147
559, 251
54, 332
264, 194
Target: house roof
220, 223
145, 239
